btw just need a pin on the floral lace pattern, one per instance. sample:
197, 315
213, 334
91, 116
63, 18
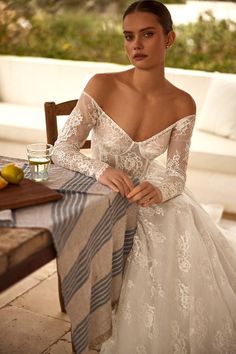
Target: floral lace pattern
112, 146
73, 135
179, 288
173, 299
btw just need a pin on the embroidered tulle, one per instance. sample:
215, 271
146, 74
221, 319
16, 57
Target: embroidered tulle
111, 146
73, 135
179, 287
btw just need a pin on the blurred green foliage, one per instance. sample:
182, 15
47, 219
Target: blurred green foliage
87, 5
49, 29
208, 44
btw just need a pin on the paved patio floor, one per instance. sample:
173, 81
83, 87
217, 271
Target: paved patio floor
30, 318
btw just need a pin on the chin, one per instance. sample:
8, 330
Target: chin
147, 65
144, 66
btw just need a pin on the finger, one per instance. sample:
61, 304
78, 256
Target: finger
142, 193
112, 186
125, 180
147, 198
148, 202
121, 186
127, 189
128, 183
124, 185
138, 189
134, 192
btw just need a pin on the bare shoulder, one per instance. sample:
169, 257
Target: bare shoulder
184, 102
101, 86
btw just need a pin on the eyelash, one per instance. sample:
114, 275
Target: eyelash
129, 37
149, 34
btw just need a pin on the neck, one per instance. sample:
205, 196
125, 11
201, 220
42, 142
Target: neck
149, 81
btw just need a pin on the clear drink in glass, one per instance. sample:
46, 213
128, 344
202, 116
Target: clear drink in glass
39, 157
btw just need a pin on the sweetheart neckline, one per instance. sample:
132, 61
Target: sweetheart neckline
120, 128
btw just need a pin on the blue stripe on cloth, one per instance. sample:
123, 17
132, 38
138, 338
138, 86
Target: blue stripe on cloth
101, 234
129, 239
101, 292
117, 262
27, 172
99, 296
119, 207
66, 213
80, 270
80, 335
117, 257
117, 269
78, 183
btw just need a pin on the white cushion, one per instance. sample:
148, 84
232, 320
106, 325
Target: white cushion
213, 187
211, 152
218, 115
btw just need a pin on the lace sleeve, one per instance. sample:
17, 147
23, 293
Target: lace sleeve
177, 159
66, 152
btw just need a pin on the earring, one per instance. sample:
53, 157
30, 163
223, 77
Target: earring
167, 46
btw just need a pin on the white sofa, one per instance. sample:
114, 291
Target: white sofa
26, 83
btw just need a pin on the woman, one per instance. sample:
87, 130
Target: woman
179, 287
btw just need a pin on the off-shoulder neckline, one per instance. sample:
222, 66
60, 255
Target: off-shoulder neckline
192, 116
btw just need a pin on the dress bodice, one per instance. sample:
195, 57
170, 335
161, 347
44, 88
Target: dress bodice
112, 146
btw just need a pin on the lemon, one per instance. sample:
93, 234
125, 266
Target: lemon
12, 173
3, 183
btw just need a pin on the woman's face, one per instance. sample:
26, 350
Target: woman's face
145, 41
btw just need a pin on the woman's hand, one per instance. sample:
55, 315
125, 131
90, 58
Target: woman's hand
117, 180
145, 194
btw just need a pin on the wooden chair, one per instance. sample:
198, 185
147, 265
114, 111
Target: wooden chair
52, 111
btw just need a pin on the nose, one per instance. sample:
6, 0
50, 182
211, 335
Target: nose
138, 43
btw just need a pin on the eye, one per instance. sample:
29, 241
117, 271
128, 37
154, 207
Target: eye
129, 37
148, 34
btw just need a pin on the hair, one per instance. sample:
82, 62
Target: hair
156, 8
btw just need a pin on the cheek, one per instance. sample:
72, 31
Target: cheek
159, 48
127, 47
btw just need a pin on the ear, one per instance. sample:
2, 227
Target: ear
170, 38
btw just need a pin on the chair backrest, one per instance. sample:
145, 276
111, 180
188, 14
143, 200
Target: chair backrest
52, 111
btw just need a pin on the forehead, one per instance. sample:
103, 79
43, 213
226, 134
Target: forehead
138, 20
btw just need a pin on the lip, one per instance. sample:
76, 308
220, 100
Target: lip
139, 57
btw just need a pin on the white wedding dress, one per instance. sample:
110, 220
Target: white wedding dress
179, 288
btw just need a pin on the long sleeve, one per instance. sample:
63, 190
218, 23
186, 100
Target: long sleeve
177, 159
66, 151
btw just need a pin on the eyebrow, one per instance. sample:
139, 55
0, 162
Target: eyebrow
141, 30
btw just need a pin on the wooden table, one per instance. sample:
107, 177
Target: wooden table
22, 251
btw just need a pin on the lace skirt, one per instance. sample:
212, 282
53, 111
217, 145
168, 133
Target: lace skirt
179, 287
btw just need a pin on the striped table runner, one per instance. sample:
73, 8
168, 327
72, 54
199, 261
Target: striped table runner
92, 229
